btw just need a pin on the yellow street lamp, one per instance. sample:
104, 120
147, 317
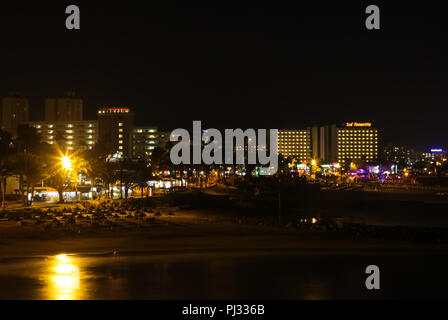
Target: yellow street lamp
66, 163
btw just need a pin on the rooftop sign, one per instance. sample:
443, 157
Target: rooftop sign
358, 124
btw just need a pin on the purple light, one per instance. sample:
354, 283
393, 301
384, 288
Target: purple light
436, 150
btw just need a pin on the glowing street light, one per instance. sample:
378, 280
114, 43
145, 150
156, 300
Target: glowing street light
66, 163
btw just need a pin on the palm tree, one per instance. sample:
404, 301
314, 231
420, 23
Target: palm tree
109, 176
58, 180
6, 169
28, 139
142, 175
160, 159
33, 168
79, 165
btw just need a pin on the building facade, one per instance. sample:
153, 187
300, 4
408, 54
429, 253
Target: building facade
13, 112
116, 125
295, 143
144, 141
331, 143
400, 155
68, 135
67, 108
357, 141
324, 143
434, 154
163, 137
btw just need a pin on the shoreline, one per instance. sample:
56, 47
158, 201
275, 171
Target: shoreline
198, 238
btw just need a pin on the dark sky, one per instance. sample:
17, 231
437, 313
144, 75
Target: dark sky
230, 65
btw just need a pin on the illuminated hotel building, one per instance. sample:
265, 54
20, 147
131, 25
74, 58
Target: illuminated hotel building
116, 125
357, 141
68, 135
434, 154
144, 141
295, 143
399, 155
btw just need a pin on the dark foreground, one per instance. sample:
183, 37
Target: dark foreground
223, 276
175, 251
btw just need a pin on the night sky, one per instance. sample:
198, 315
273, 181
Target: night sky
266, 66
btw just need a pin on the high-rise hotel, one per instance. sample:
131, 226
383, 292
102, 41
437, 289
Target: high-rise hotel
331, 143
116, 125
357, 141
68, 135
295, 143
64, 125
144, 141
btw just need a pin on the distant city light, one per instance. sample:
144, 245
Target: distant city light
436, 150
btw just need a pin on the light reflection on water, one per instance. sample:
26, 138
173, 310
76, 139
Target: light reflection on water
225, 276
64, 278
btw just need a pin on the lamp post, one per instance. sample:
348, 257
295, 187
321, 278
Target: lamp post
67, 166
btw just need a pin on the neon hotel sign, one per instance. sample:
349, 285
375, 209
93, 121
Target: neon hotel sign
358, 124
